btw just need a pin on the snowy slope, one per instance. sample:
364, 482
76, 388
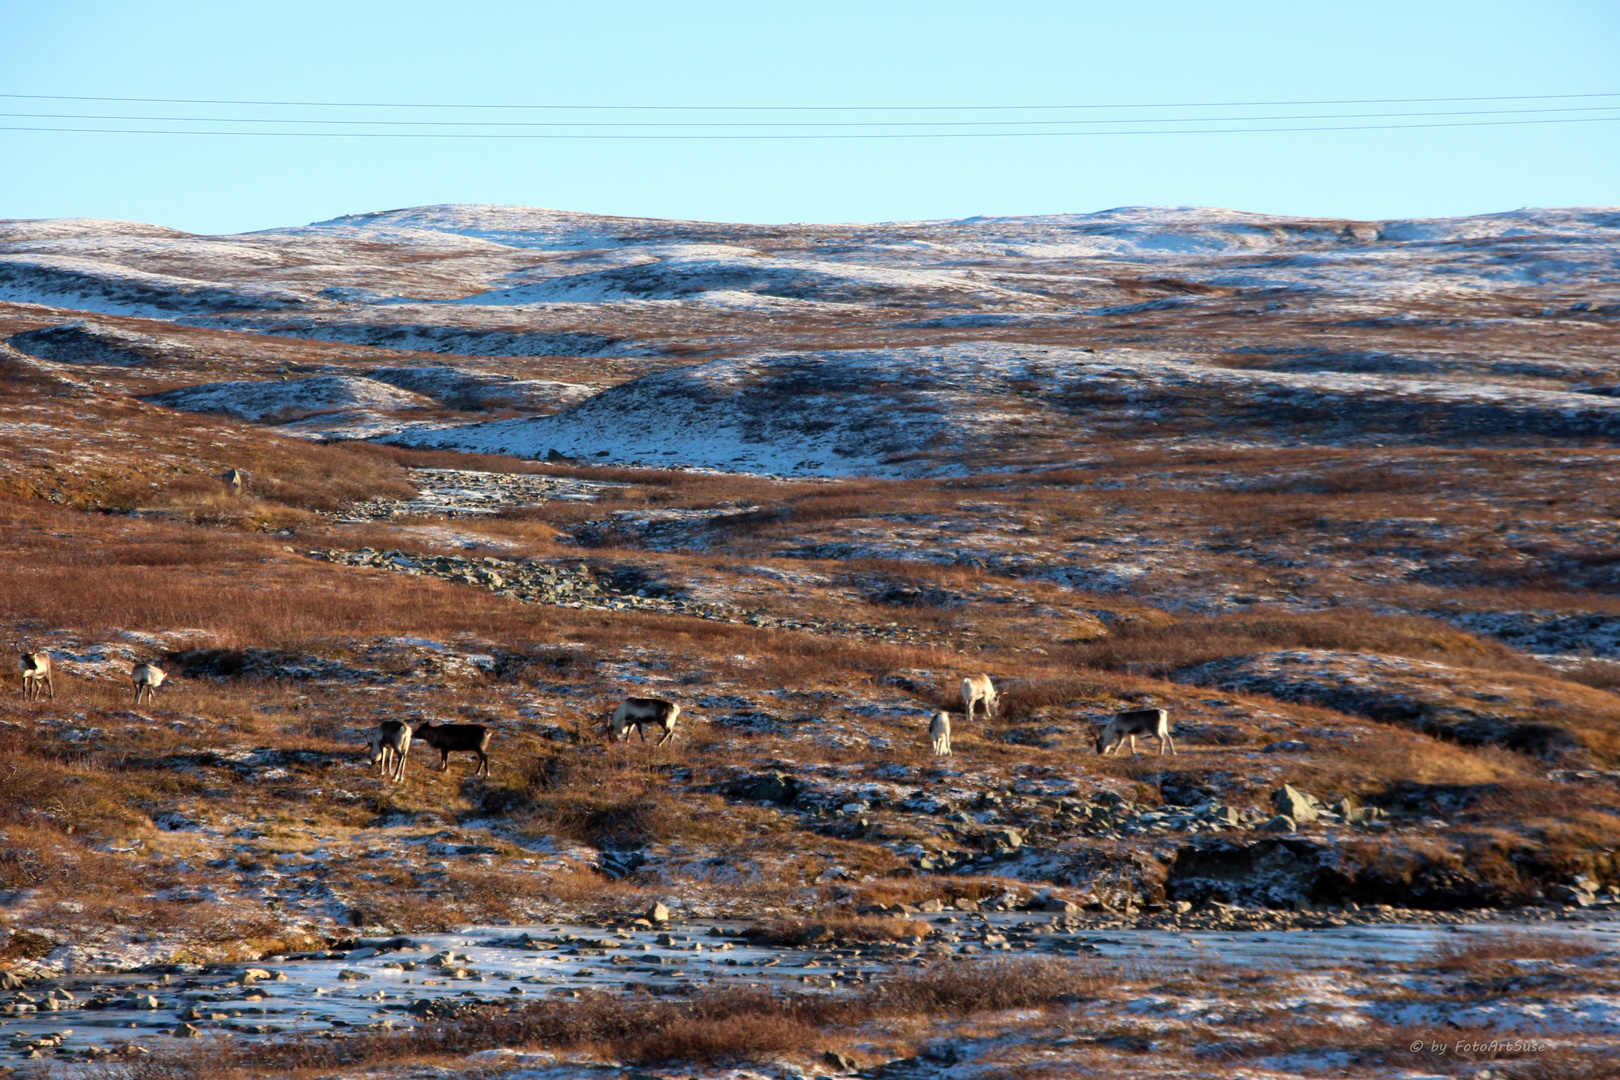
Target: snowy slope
286, 399
952, 409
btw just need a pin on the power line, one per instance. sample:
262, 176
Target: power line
793, 123
846, 135
809, 108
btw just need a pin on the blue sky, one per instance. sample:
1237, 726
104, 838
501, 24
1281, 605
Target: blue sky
823, 54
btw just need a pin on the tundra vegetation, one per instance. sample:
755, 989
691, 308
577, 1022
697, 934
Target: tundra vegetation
1355, 539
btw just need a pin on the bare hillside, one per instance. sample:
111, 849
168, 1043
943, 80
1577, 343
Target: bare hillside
1340, 496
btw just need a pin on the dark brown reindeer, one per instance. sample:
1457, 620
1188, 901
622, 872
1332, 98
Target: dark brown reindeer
450, 739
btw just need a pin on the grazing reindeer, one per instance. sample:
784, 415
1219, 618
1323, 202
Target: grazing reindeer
940, 731
977, 688
642, 712
147, 677
1148, 723
449, 738
391, 745
36, 669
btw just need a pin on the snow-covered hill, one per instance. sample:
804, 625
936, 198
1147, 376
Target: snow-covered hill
900, 347
950, 409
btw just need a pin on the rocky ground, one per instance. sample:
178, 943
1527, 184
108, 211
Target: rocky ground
1337, 495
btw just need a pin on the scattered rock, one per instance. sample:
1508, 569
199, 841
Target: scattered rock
658, 913
1280, 823
186, 1031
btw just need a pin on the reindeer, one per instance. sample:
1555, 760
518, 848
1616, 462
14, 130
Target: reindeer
147, 677
1148, 723
36, 669
940, 732
451, 738
977, 688
639, 713
391, 745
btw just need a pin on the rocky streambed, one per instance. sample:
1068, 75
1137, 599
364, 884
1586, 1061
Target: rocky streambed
578, 585
472, 492
383, 984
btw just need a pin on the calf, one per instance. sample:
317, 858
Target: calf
641, 712
977, 688
454, 738
940, 732
390, 745
1148, 723
36, 669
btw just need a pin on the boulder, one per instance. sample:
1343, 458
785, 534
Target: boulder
839, 1061
773, 787
1065, 907
1294, 803
1006, 839
1287, 746
658, 913
187, 1031
1280, 823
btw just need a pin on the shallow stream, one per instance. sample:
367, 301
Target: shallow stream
391, 983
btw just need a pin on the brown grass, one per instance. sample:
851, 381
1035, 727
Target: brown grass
1498, 953
1165, 648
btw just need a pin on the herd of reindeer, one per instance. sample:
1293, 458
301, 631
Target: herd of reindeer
390, 742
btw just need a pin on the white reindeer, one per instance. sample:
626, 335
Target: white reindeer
977, 688
1148, 723
940, 732
147, 677
640, 712
36, 669
391, 745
